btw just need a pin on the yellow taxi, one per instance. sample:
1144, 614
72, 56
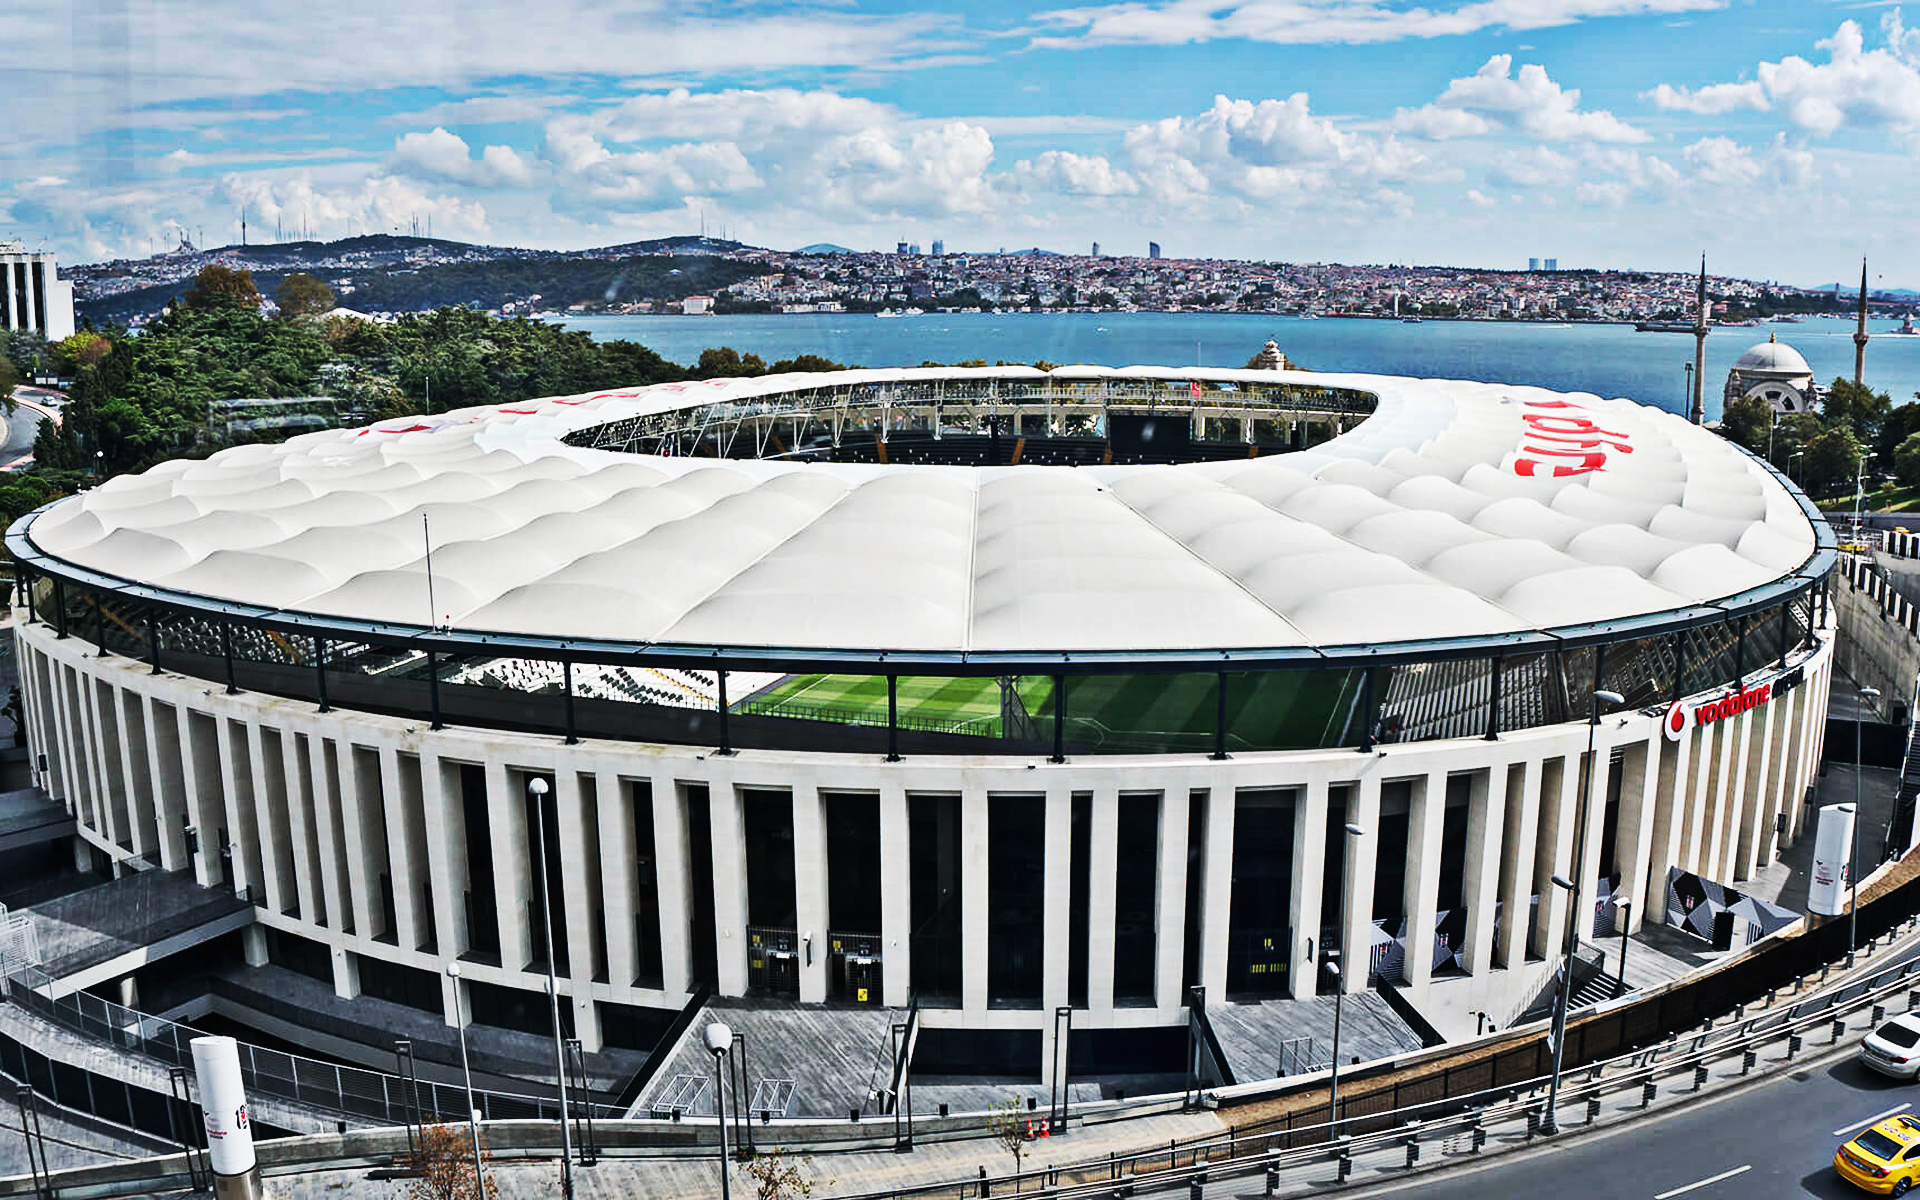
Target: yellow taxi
1885, 1158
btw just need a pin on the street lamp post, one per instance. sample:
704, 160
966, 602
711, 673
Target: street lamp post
1790, 458
537, 788
1572, 887
1339, 983
1688, 398
1853, 854
473, 1110
719, 1040
1623, 905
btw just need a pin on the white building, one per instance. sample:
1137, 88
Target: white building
1776, 373
32, 294
1193, 677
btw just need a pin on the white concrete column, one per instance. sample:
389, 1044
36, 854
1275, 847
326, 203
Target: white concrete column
619, 852
1598, 783
107, 748
362, 866
303, 808
1480, 882
1715, 808
269, 820
1520, 794
8, 320
1729, 776
1420, 892
409, 927
231, 781
1102, 899
728, 823
346, 973
974, 833
670, 856
1633, 844
1310, 833
253, 945
33, 297
340, 910
1216, 892
1056, 941
810, 869
444, 814
1755, 791
896, 898
574, 893
1559, 779
1170, 899
1362, 853
1697, 778
512, 846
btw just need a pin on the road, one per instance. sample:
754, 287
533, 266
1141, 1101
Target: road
1773, 1139
25, 423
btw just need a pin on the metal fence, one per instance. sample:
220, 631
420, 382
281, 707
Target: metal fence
352, 1091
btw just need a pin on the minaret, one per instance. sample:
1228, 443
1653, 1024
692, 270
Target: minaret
1860, 330
1699, 414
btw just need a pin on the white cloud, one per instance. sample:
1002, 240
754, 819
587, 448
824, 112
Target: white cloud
1436, 124
437, 154
1308, 22
1480, 199
1268, 149
1530, 102
1722, 161
1712, 100
744, 116
1538, 167
1074, 174
1854, 87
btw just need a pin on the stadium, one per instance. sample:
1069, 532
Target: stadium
996, 693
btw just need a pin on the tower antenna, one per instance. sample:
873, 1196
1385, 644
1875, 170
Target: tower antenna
1698, 415
1860, 330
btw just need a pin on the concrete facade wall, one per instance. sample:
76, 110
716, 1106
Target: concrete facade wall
351, 830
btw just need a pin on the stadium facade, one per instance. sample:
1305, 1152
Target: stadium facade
1001, 689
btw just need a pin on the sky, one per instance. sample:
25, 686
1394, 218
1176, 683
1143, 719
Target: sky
1777, 137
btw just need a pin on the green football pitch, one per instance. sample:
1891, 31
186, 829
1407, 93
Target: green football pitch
1148, 713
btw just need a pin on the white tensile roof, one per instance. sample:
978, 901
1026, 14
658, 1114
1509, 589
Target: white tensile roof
1438, 517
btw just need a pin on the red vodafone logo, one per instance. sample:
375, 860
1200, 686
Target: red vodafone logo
1679, 720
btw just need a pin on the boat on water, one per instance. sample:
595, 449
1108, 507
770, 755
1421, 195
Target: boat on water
889, 312
1409, 320
1906, 326
1663, 327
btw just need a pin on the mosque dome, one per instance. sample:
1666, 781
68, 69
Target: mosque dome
1773, 357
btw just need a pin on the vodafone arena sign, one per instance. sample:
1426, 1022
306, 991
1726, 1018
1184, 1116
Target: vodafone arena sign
1683, 715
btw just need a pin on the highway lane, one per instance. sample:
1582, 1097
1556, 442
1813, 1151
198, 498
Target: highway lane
1783, 1132
25, 423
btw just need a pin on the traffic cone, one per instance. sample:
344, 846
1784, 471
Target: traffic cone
1046, 1127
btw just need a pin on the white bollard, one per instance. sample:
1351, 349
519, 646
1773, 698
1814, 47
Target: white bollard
223, 1101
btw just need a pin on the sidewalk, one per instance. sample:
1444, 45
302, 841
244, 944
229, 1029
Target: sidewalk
954, 1162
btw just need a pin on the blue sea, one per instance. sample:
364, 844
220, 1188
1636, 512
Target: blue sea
1611, 360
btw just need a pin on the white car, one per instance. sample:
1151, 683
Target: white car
1894, 1048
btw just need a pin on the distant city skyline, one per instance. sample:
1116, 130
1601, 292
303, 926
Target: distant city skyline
1774, 136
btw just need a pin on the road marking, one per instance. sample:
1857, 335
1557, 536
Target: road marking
1899, 1108
1704, 1182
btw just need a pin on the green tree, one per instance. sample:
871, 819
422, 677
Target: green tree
1897, 427
218, 286
717, 362
82, 349
1833, 458
9, 379
1858, 406
1747, 420
301, 295
1007, 1126
779, 1175
1906, 461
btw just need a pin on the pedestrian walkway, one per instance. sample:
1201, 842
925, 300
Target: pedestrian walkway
1509, 1127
